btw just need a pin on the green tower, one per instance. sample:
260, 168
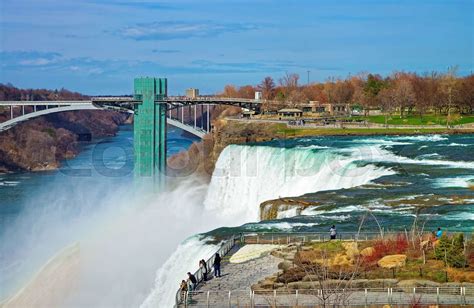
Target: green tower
149, 135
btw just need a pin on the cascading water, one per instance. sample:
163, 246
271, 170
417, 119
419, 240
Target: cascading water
244, 177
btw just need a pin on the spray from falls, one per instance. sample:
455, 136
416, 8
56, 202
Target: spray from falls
244, 177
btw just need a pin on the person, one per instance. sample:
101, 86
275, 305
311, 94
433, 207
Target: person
217, 265
439, 233
203, 266
183, 287
193, 281
332, 232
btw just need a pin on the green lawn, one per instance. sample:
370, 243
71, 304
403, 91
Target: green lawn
283, 131
429, 119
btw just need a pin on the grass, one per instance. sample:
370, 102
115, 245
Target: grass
428, 119
284, 131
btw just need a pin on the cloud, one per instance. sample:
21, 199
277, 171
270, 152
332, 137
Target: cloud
180, 29
165, 51
145, 5
51, 61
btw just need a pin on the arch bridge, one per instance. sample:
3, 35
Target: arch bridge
153, 109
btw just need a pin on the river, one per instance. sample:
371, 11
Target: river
130, 239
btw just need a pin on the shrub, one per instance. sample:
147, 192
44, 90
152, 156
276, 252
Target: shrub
391, 246
451, 250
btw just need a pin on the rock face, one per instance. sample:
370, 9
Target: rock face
270, 209
392, 261
202, 156
40, 144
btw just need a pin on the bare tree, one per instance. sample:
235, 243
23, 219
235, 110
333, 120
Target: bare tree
267, 86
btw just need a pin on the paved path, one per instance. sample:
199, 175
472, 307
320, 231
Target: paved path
236, 278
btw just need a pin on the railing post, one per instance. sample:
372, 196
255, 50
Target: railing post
208, 118
182, 115
11, 112
230, 301
23, 109
274, 297
296, 297
194, 116
365, 294
437, 296
207, 299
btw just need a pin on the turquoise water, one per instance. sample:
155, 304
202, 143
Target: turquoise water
42, 212
391, 176
436, 171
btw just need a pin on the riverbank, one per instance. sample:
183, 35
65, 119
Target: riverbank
202, 156
42, 143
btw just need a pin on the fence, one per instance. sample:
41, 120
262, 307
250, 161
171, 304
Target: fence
332, 297
225, 248
288, 238
282, 238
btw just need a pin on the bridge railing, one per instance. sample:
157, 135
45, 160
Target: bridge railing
447, 295
199, 274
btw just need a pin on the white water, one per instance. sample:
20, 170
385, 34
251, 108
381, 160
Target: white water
376, 153
244, 177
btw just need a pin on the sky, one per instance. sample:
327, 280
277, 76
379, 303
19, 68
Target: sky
97, 47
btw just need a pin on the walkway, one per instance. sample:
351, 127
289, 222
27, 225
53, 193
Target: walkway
235, 277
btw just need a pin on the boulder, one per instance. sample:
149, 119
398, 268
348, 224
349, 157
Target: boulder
285, 265
352, 250
367, 252
341, 260
392, 261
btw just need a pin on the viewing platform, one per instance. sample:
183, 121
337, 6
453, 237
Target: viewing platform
243, 280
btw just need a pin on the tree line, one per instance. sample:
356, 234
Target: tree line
406, 93
9, 92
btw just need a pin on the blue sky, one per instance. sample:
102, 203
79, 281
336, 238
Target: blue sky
99, 46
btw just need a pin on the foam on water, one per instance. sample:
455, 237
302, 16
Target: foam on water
245, 176
462, 182
379, 154
430, 138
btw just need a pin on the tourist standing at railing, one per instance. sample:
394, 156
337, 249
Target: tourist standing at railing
203, 266
439, 233
183, 288
192, 282
333, 232
217, 265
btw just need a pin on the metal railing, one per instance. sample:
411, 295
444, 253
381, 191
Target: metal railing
462, 295
199, 274
282, 238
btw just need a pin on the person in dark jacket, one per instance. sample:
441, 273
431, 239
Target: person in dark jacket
193, 281
333, 232
203, 266
217, 265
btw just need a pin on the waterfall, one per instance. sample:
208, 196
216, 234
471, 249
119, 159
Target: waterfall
244, 177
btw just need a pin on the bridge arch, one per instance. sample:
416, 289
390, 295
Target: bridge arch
84, 106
